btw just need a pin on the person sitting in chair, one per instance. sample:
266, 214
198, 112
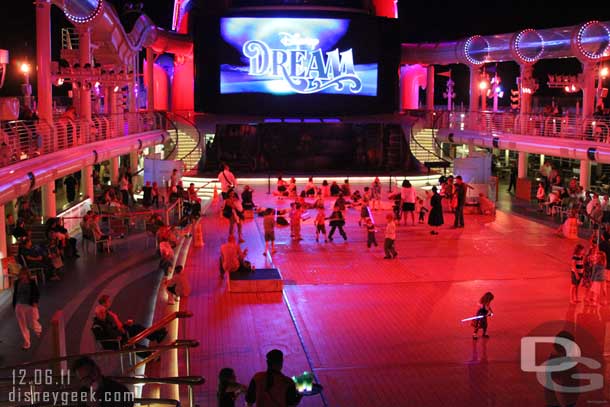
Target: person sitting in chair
129, 328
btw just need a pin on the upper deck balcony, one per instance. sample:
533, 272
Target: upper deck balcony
572, 127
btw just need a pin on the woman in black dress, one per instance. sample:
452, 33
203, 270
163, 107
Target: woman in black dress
435, 218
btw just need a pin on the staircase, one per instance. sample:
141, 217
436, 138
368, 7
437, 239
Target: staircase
424, 148
190, 141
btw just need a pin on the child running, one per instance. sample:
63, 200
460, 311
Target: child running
269, 227
370, 233
483, 311
578, 268
319, 222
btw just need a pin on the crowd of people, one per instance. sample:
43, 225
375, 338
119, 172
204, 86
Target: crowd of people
409, 204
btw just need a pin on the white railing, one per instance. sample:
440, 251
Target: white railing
567, 126
25, 139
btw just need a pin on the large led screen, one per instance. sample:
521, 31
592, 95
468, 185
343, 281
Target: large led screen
296, 63
283, 56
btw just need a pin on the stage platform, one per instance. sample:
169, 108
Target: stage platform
379, 332
258, 281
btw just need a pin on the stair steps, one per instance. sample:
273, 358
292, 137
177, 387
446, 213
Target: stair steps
425, 150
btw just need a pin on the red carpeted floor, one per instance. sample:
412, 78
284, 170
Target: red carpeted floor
381, 332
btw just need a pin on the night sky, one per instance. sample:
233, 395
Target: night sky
17, 33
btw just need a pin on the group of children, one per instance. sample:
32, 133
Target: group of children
337, 221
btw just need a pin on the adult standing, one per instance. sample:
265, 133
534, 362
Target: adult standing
124, 188
512, 184
604, 246
376, 194
227, 181
272, 388
435, 218
70, 183
460, 190
25, 304
407, 197
234, 212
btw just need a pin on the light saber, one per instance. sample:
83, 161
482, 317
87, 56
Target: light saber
477, 317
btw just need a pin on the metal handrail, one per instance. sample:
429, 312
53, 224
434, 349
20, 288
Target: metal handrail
593, 128
179, 344
179, 380
199, 135
171, 123
434, 154
26, 139
176, 118
163, 322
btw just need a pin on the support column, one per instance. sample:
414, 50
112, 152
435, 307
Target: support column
526, 73
3, 239
150, 76
114, 170
49, 204
132, 103
525, 98
588, 89
507, 157
84, 48
43, 58
475, 92
430, 88
522, 165
133, 166
87, 180
585, 173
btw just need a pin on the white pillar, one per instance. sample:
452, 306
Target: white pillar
474, 89
114, 170
133, 166
526, 73
588, 89
150, 75
507, 157
132, 104
87, 181
43, 60
430, 88
84, 48
522, 165
3, 238
585, 173
49, 204
541, 159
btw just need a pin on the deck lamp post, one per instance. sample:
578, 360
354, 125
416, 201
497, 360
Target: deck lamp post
26, 88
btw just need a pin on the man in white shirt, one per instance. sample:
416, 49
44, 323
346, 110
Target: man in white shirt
594, 202
227, 181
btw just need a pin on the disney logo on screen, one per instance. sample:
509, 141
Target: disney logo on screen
291, 40
304, 71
